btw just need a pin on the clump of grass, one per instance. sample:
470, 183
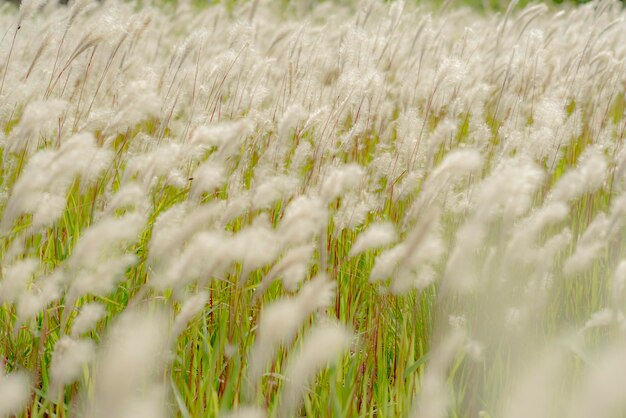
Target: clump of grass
252, 211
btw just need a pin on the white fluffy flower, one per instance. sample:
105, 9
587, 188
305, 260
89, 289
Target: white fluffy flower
15, 392
375, 236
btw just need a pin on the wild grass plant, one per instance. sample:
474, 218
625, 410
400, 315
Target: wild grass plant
379, 210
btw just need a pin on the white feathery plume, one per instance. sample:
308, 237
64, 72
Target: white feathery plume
238, 204
339, 180
134, 347
245, 412
68, 359
326, 122
107, 237
547, 255
227, 137
387, 261
87, 318
410, 263
175, 226
42, 188
460, 274
587, 177
375, 236
321, 346
527, 233
599, 392
138, 101
534, 391
15, 390
206, 256
16, 279
28, 8
588, 246
165, 238
434, 398
39, 119
281, 320
209, 176
600, 319
160, 162
192, 307
292, 267
151, 404
509, 190
107, 240
353, 211
43, 291
302, 155
293, 116
129, 196
457, 165
424, 248
255, 246
304, 218
272, 190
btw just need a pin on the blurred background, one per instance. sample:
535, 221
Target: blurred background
491, 5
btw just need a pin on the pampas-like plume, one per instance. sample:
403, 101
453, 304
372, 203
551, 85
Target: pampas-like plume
272, 190
129, 196
207, 255
175, 226
160, 162
434, 399
208, 176
16, 279
375, 236
599, 391
292, 267
410, 262
588, 246
339, 180
15, 389
43, 291
534, 393
246, 246
192, 306
304, 217
281, 320
135, 348
322, 345
227, 137
41, 189
456, 165
68, 360
586, 178
245, 412
528, 232
106, 240
86, 320
39, 119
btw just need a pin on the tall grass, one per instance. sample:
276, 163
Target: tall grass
324, 211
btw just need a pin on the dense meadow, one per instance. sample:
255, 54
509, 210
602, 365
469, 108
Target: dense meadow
273, 209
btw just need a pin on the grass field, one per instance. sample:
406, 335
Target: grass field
312, 209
